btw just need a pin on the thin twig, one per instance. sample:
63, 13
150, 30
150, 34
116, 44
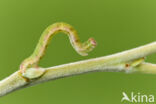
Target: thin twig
129, 61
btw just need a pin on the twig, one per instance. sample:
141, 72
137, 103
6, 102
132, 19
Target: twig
129, 61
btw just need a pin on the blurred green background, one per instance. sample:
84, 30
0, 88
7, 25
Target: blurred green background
117, 25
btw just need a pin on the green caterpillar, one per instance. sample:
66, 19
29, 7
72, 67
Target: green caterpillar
81, 48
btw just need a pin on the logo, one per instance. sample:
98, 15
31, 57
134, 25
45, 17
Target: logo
137, 98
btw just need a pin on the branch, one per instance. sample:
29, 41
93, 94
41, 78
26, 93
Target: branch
130, 61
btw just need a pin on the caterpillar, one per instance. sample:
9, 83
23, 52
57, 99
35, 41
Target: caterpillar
47, 35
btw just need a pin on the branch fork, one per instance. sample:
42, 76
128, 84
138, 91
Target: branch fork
30, 73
